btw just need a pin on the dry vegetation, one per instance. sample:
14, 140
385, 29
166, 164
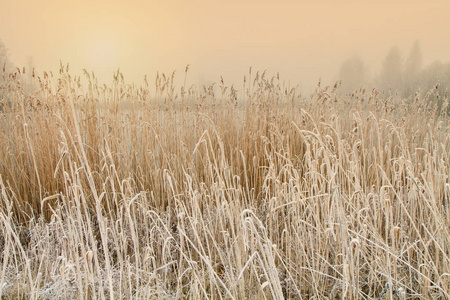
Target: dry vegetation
150, 192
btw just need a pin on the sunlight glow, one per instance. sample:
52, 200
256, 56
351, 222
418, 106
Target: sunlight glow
102, 54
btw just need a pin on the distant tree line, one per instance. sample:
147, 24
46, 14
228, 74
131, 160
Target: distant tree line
7, 69
403, 78
5, 64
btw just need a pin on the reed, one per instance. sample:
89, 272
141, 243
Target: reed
119, 192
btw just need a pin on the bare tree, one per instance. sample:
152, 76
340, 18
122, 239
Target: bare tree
5, 68
5, 63
413, 67
353, 73
391, 71
436, 76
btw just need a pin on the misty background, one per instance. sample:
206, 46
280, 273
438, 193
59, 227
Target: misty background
398, 74
395, 46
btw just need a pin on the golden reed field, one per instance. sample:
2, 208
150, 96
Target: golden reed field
221, 192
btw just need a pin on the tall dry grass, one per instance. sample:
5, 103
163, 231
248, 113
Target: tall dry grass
124, 191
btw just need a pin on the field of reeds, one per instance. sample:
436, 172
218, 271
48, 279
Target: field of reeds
220, 192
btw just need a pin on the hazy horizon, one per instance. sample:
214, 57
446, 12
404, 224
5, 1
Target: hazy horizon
300, 40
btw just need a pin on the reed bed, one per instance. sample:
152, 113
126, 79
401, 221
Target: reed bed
154, 192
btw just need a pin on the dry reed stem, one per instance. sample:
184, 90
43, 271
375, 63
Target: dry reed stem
121, 192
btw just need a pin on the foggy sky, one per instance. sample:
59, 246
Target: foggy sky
302, 40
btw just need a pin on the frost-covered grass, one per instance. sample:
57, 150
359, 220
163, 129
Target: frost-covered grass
152, 192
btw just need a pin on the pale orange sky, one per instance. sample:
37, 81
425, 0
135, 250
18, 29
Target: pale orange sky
302, 40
